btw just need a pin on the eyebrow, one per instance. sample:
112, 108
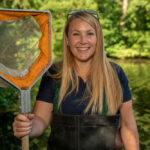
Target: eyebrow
86, 31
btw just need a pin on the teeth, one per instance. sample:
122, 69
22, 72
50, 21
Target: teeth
83, 48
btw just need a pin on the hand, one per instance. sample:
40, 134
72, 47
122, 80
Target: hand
22, 125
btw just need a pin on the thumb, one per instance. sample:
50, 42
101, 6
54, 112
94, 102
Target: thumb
31, 116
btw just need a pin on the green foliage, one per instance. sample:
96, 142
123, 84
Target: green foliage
136, 30
8, 99
131, 39
22, 4
7, 140
110, 20
127, 41
138, 74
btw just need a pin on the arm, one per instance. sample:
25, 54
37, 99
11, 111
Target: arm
43, 116
129, 131
36, 123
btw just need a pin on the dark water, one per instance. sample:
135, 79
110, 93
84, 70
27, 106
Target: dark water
138, 73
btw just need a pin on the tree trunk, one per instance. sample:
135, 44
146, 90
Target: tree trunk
124, 10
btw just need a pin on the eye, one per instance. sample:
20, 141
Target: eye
91, 33
75, 34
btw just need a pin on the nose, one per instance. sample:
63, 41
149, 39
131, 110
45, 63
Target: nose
83, 39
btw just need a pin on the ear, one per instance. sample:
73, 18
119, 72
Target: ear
67, 41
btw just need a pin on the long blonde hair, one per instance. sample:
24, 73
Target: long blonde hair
103, 76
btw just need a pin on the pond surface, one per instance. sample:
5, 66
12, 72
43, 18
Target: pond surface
138, 73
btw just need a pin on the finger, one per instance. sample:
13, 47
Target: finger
25, 129
19, 123
24, 118
21, 117
21, 134
31, 116
22, 124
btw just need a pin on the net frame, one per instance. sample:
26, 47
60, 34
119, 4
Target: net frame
41, 64
44, 60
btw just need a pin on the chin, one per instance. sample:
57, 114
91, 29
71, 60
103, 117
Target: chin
84, 59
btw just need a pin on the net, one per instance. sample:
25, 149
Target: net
25, 48
25, 52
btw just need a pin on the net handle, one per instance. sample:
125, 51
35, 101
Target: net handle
25, 142
24, 106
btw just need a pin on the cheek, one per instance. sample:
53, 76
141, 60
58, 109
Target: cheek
93, 41
73, 41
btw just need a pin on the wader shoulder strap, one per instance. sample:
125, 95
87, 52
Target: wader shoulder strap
105, 108
56, 99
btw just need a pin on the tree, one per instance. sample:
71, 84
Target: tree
131, 39
124, 10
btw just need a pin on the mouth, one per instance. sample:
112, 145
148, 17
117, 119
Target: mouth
83, 48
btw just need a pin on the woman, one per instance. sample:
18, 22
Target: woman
85, 94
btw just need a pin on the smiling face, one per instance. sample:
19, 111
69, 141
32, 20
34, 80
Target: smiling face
82, 40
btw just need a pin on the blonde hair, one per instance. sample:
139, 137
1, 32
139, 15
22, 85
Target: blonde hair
103, 77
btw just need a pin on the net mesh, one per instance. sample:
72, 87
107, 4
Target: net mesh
24, 47
19, 45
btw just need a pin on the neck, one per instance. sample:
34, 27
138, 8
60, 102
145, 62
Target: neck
83, 69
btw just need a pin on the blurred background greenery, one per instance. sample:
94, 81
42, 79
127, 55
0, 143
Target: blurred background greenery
126, 28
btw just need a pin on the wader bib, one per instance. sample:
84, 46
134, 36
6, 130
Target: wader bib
89, 132
83, 132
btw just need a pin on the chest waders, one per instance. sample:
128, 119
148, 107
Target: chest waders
82, 132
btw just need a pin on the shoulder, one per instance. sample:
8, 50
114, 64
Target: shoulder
123, 81
50, 76
120, 72
116, 67
48, 84
55, 68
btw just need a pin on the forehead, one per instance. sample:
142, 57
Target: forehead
80, 25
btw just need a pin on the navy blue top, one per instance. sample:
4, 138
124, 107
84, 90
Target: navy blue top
72, 104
